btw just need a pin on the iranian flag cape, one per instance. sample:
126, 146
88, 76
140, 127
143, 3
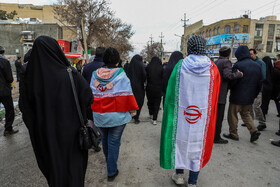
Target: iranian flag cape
189, 117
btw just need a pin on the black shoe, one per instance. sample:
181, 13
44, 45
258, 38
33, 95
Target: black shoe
230, 136
255, 136
276, 143
112, 178
243, 125
261, 127
221, 141
278, 133
6, 133
278, 115
136, 121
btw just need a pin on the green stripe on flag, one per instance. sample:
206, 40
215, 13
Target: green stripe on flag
170, 120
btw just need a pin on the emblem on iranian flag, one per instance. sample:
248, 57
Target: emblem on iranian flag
192, 114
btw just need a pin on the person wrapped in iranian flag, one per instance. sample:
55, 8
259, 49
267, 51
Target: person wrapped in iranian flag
190, 112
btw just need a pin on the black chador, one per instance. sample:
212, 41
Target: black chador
137, 75
50, 114
154, 85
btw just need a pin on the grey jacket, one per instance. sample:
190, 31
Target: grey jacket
225, 68
6, 77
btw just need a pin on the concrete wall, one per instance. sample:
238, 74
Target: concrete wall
44, 13
10, 35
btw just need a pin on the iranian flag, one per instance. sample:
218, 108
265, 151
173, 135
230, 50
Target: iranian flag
189, 117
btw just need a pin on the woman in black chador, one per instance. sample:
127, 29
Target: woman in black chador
51, 116
154, 84
137, 75
173, 60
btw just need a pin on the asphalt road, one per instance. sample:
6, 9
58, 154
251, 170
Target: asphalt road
237, 164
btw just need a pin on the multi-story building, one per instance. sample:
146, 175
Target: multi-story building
45, 13
262, 35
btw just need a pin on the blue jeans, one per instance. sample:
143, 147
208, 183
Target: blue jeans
192, 175
111, 141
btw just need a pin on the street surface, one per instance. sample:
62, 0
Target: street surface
236, 164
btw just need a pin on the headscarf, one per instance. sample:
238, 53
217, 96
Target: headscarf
197, 45
277, 65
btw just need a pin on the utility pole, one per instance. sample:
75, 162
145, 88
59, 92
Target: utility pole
161, 45
85, 38
185, 20
232, 42
151, 39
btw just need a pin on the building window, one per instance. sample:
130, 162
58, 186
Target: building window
203, 34
210, 33
227, 29
259, 31
207, 33
215, 32
219, 30
256, 44
271, 29
245, 29
277, 47
278, 31
236, 28
269, 45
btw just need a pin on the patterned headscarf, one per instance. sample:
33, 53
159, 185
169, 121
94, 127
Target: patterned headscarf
197, 45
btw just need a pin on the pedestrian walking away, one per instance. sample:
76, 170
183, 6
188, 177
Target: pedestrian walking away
173, 60
154, 84
113, 106
256, 109
190, 108
51, 116
137, 75
225, 68
6, 79
18, 65
243, 92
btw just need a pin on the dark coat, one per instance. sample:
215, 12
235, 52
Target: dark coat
91, 67
154, 77
246, 89
225, 68
137, 74
18, 65
50, 114
276, 83
6, 77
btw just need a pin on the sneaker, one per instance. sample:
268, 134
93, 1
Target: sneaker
276, 143
154, 122
221, 141
178, 178
243, 125
10, 132
112, 178
191, 185
136, 121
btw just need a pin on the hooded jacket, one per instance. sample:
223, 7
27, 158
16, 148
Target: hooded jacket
245, 89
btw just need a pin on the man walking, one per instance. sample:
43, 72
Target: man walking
242, 94
225, 68
258, 102
18, 67
6, 78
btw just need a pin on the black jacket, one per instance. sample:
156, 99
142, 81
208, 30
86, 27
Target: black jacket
245, 89
91, 67
6, 77
225, 68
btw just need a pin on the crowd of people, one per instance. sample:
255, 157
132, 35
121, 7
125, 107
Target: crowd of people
193, 90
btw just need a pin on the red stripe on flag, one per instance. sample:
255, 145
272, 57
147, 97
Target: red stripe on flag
114, 104
209, 133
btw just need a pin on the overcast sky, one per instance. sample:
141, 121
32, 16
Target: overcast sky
151, 17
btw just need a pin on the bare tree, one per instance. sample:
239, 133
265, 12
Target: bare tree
101, 27
150, 51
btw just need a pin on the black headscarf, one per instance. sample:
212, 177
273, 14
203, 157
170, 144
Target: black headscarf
50, 113
173, 60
